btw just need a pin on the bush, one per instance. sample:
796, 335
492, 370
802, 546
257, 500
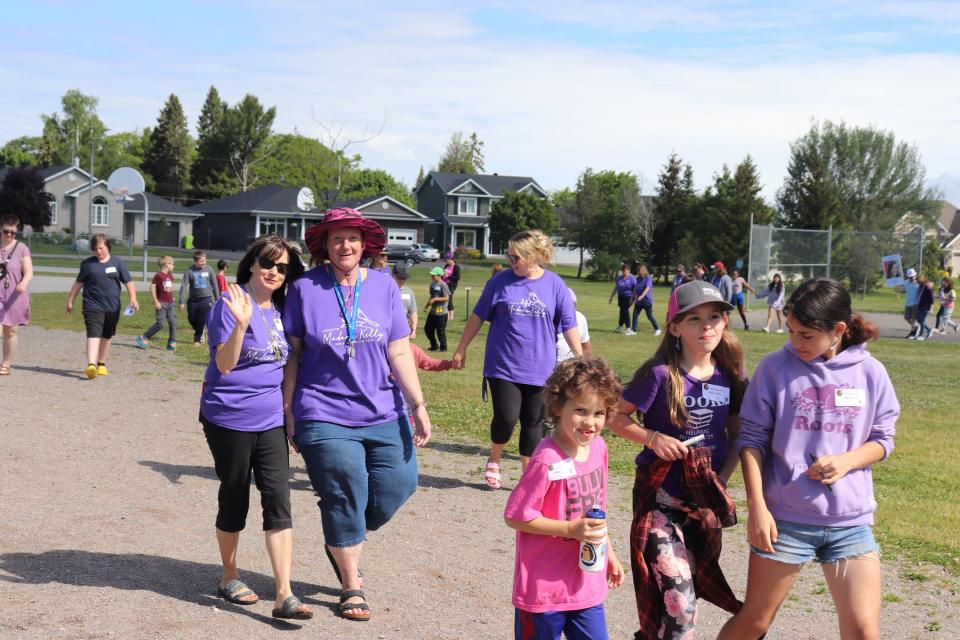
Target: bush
603, 266
462, 253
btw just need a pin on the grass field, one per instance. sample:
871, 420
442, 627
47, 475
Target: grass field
917, 487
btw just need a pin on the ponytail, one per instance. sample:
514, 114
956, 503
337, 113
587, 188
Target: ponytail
859, 330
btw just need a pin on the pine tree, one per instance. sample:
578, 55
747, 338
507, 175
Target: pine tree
168, 158
209, 171
675, 205
420, 178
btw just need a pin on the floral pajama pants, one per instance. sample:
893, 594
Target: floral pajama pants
669, 561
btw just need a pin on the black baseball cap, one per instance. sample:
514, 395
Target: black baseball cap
401, 270
693, 294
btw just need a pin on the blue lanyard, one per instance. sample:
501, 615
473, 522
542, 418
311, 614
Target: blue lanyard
349, 319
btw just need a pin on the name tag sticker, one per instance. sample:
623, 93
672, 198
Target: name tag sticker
561, 470
110, 270
404, 296
278, 323
716, 393
850, 397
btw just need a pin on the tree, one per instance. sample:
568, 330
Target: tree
727, 207
576, 214
338, 142
462, 155
299, 161
247, 129
126, 149
854, 178
369, 183
516, 212
70, 134
168, 156
420, 178
21, 152
675, 207
22, 195
208, 172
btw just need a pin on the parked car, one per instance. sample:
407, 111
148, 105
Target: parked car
402, 253
427, 252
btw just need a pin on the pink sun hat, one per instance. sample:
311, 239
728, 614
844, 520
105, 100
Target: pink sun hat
374, 238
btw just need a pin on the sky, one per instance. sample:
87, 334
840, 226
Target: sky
551, 87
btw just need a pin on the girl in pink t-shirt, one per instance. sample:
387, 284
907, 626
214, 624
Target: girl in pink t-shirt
565, 478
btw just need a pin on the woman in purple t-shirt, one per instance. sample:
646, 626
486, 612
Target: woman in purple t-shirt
348, 387
527, 307
624, 287
241, 409
16, 271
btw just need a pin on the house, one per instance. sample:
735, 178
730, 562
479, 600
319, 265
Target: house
169, 221
233, 222
460, 203
948, 232
79, 203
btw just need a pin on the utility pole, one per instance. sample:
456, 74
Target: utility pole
90, 195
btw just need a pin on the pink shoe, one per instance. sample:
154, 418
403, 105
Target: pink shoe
491, 475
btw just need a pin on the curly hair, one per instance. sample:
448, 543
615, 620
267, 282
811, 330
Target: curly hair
572, 377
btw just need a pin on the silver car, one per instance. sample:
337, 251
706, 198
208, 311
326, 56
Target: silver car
426, 251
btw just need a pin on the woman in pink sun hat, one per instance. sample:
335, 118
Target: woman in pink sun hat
345, 413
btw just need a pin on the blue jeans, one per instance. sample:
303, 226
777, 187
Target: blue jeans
645, 305
922, 323
798, 543
363, 475
580, 624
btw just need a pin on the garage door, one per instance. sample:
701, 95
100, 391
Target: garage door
164, 233
401, 236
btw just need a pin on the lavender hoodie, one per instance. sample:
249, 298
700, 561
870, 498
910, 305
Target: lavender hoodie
794, 408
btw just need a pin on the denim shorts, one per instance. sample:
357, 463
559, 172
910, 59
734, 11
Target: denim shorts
363, 475
799, 543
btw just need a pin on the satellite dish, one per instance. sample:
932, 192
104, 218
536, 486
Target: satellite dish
305, 200
126, 180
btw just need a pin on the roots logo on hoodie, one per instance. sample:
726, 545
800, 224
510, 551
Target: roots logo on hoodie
816, 409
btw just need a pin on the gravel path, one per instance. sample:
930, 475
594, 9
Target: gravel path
108, 499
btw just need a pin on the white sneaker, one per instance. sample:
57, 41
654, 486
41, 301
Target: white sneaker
911, 337
765, 330
919, 338
629, 332
656, 333
619, 329
779, 330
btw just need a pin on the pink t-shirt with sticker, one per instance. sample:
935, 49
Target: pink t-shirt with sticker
547, 574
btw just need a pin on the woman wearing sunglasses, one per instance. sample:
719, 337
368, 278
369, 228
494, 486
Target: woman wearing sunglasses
346, 413
527, 307
241, 409
16, 272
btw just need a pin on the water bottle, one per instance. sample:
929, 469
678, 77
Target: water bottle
593, 557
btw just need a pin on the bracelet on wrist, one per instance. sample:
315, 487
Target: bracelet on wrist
416, 405
653, 436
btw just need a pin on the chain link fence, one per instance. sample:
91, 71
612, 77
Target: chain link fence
67, 244
852, 257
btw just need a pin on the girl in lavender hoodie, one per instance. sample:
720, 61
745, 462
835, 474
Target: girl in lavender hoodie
817, 415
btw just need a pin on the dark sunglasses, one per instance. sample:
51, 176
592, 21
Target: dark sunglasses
7, 232
266, 264
513, 258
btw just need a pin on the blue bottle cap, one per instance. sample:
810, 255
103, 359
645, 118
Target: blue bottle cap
597, 513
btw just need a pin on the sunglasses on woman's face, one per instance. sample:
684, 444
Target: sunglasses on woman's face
266, 264
513, 258
9, 232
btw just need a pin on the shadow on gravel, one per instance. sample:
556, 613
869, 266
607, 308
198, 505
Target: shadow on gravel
192, 582
467, 449
66, 373
173, 472
441, 482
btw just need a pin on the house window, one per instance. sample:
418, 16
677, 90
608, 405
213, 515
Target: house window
100, 216
466, 238
467, 206
52, 203
277, 226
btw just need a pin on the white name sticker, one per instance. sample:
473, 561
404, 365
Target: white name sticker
404, 296
110, 270
850, 397
561, 470
716, 393
278, 323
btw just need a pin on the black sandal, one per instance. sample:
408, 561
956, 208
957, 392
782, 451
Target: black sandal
234, 590
291, 609
347, 606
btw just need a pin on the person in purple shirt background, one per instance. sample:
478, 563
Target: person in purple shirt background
526, 306
818, 414
345, 412
643, 301
624, 287
241, 409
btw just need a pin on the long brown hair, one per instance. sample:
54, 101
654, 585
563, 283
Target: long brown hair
728, 356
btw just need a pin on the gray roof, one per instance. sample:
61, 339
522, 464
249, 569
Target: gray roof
272, 198
45, 172
157, 205
493, 184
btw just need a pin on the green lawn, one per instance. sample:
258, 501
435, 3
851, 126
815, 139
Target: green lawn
917, 487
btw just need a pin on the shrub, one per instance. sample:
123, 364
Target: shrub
603, 266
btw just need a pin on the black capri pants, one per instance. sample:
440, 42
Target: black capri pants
237, 454
511, 402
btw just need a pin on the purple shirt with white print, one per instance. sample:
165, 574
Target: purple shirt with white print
249, 397
525, 317
708, 407
331, 386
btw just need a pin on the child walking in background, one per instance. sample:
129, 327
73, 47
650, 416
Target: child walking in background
565, 478
774, 295
198, 293
161, 291
737, 285
436, 308
691, 387
948, 300
818, 414
924, 304
222, 274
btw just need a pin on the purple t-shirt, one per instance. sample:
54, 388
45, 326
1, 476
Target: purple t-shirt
525, 317
708, 405
249, 397
626, 285
645, 283
331, 387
